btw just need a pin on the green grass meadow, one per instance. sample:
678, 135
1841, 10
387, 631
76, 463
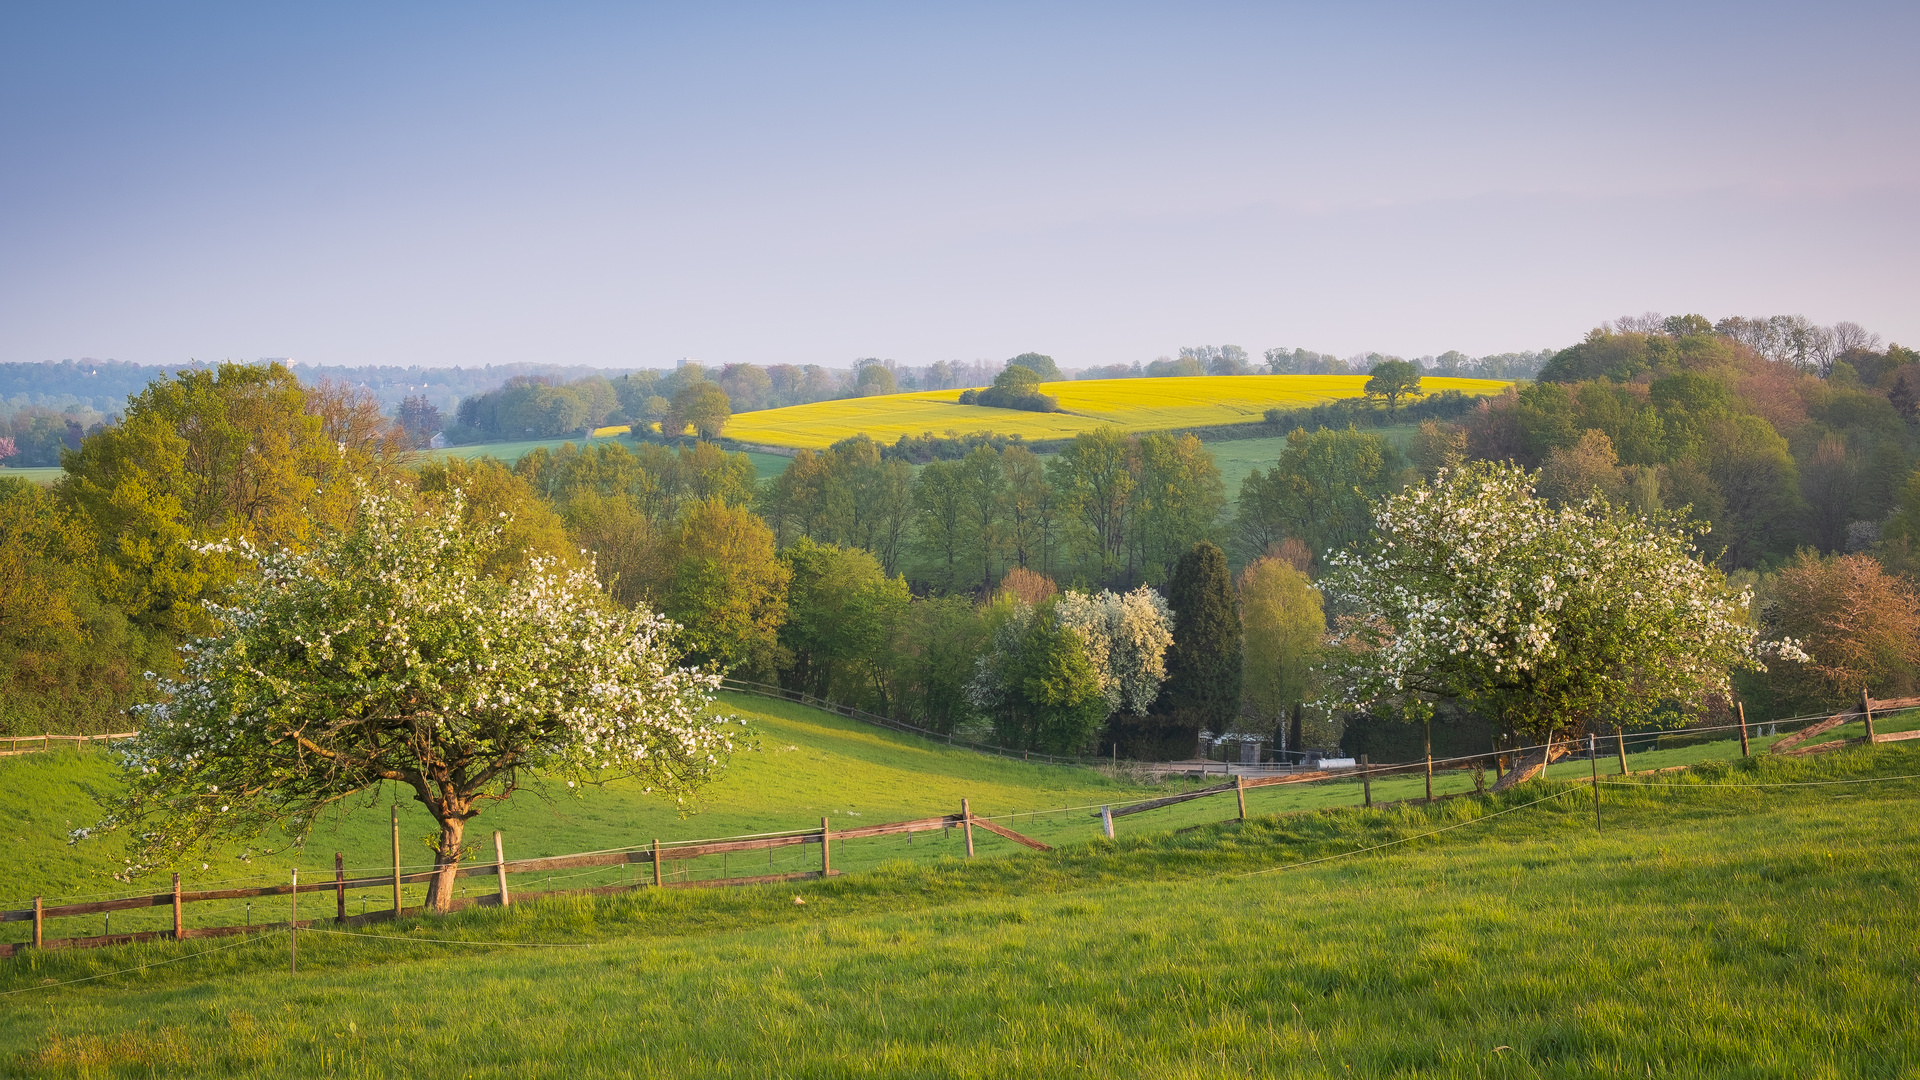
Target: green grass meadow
764, 465
1727, 922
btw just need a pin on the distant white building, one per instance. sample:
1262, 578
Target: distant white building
685, 360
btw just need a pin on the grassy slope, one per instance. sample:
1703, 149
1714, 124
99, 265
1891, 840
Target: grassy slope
803, 765
1131, 404
1733, 931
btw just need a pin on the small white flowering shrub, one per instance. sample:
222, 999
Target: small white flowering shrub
384, 654
1126, 637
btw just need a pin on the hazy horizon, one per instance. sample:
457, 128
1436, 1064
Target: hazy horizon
623, 187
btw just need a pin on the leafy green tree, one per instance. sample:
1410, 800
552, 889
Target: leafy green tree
1095, 478
1202, 691
1016, 387
208, 455
1393, 380
1754, 472
1546, 619
1283, 622
1177, 502
68, 659
726, 587
848, 494
983, 486
940, 515
1571, 474
1031, 519
1042, 366
701, 406
934, 659
661, 481
1319, 492
488, 493
1036, 682
873, 380
748, 387
385, 654
844, 613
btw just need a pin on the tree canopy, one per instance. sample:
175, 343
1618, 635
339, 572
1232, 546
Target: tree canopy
1393, 380
1473, 590
386, 654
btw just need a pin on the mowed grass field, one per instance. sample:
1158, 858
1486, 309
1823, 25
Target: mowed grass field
1753, 918
1129, 404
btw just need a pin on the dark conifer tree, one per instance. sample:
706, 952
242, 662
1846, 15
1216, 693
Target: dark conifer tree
1202, 690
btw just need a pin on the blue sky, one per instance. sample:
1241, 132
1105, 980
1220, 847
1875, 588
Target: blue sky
629, 184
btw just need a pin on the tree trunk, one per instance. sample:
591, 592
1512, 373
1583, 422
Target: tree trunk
446, 862
1530, 764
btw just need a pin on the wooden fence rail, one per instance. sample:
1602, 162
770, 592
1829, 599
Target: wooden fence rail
46, 741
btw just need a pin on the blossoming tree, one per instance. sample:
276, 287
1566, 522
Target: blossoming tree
384, 654
1126, 638
1472, 589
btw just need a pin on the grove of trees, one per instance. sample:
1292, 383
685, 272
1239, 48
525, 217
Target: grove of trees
857, 575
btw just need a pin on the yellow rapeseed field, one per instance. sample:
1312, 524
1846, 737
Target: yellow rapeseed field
1129, 404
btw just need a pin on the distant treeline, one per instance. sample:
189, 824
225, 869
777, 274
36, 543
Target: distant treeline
1233, 360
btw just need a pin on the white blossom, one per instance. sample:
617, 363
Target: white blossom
1473, 589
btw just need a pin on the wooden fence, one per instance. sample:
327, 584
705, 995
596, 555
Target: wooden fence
1793, 744
655, 855
46, 741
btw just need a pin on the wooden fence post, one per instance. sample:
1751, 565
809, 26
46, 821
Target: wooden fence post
39, 923
340, 885
966, 824
1741, 708
656, 862
1593, 765
1866, 710
1240, 793
1429, 727
1366, 782
826, 848
293, 924
1106, 820
1620, 740
176, 906
396, 860
500, 862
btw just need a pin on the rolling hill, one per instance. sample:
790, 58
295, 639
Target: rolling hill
1129, 404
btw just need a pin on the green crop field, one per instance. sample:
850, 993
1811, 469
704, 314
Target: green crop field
1130, 404
38, 475
1728, 921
